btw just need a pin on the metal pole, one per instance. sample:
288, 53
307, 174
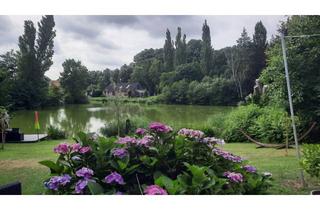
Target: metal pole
283, 44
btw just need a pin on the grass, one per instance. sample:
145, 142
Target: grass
19, 162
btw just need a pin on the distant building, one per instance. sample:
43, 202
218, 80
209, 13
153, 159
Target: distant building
125, 89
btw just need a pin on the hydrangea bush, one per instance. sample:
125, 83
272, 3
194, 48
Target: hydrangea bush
155, 161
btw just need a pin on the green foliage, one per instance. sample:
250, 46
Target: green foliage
168, 50
303, 62
178, 164
33, 60
311, 159
55, 132
74, 80
267, 124
55, 96
206, 50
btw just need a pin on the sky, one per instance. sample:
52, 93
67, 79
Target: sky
102, 42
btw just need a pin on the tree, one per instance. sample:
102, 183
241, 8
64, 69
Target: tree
116, 76
44, 47
168, 55
193, 51
74, 80
125, 73
34, 59
303, 62
180, 52
206, 50
259, 48
105, 79
8, 72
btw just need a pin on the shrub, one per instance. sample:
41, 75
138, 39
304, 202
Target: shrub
267, 124
55, 132
155, 161
241, 118
311, 159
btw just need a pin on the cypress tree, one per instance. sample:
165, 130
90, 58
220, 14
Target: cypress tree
206, 50
168, 50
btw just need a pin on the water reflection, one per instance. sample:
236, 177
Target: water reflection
90, 118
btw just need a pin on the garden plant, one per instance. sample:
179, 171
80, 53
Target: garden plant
155, 161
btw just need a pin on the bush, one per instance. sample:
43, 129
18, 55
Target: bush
240, 118
311, 159
56, 133
156, 161
267, 124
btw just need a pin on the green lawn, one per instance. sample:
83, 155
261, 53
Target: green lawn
20, 162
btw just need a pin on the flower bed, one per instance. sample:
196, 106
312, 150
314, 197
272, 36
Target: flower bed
156, 161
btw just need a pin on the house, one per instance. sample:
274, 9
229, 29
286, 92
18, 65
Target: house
125, 89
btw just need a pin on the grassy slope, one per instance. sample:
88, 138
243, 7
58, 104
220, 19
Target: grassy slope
20, 162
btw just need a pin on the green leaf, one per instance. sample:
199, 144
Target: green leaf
166, 182
95, 188
149, 161
54, 167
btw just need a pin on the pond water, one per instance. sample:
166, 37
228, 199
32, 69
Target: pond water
91, 117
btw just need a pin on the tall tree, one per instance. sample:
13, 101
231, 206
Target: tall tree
74, 81
206, 50
34, 59
44, 47
168, 51
180, 52
125, 73
259, 48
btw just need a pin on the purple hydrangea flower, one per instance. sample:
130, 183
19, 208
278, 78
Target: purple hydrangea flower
233, 176
56, 181
250, 169
62, 148
119, 152
126, 140
213, 140
81, 185
84, 172
145, 141
84, 150
155, 190
141, 131
160, 127
227, 155
190, 133
114, 177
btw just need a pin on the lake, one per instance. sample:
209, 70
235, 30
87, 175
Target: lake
91, 117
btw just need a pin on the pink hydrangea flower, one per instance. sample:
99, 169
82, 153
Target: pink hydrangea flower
190, 133
126, 140
227, 155
160, 127
84, 150
233, 176
141, 131
62, 148
145, 141
155, 190
75, 147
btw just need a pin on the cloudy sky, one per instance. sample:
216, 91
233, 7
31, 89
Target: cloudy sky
110, 41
